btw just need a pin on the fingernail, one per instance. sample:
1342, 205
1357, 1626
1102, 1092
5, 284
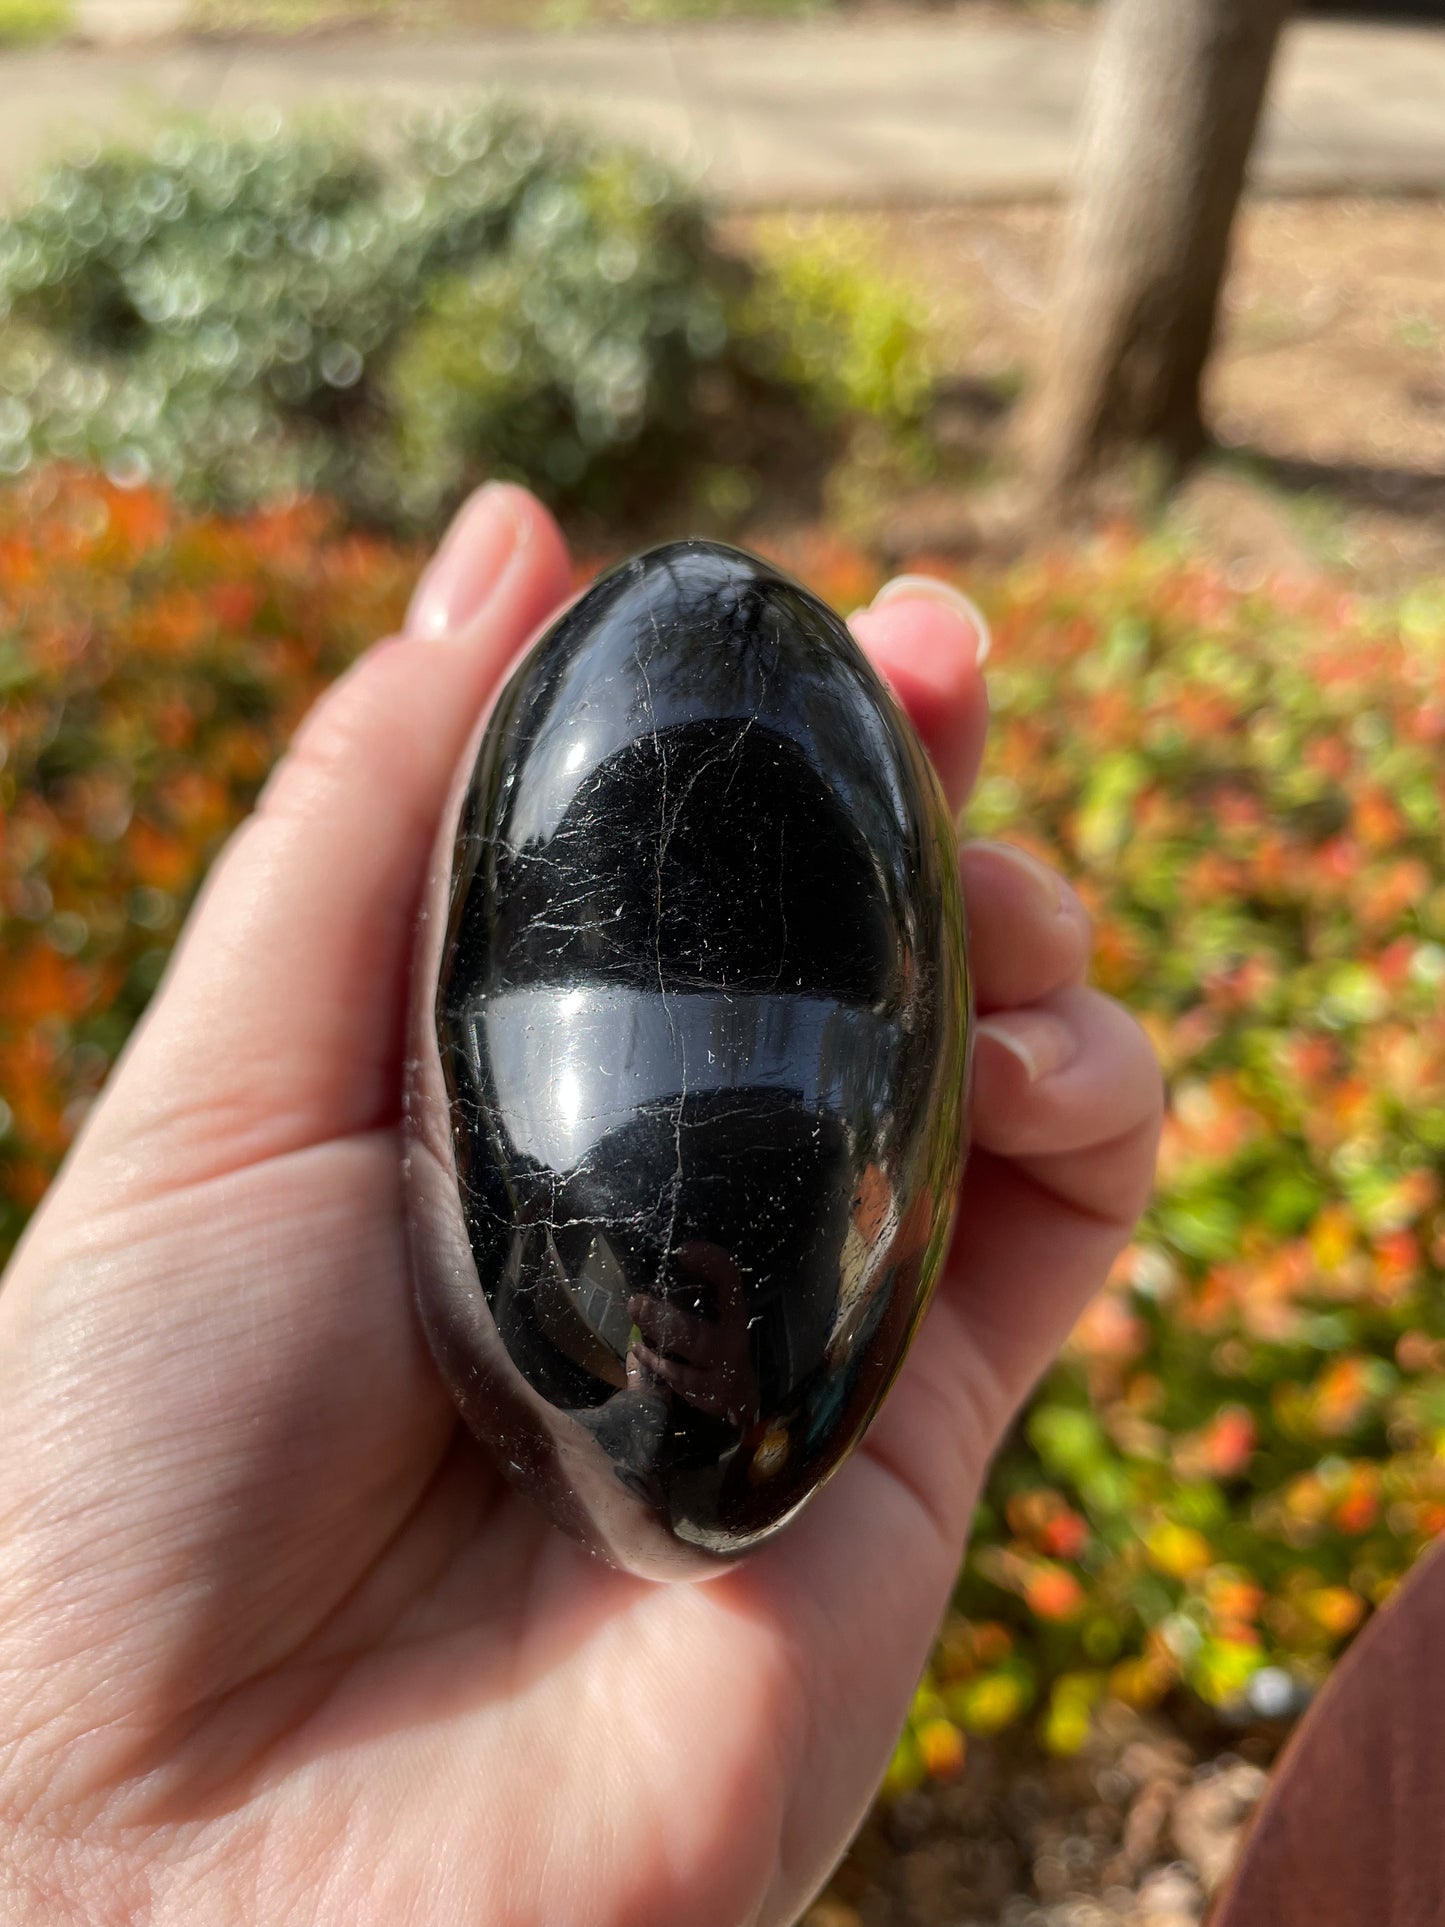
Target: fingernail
1041, 1042
458, 583
1046, 884
930, 588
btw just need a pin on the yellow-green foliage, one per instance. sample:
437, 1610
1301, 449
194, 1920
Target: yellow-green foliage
24, 21
851, 336
568, 359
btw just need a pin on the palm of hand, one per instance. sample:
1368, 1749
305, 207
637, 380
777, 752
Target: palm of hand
275, 1642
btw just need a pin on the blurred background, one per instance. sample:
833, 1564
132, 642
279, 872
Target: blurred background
1130, 318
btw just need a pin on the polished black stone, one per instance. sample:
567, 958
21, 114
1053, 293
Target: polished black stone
690, 1057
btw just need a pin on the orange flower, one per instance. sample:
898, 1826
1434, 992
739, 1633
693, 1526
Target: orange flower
1109, 1329
1228, 1442
1235, 1599
40, 984
1051, 1592
162, 862
1335, 1608
1397, 1261
138, 519
943, 1748
1065, 1536
1357, 1512
1340, 1396
992, 1643
1378, 823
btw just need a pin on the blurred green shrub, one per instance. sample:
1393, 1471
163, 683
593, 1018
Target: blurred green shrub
581, 340
240, 317
218, 314
292, 16
845, 335
25, 21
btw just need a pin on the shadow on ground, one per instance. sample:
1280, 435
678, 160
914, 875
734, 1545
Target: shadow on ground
1404, 491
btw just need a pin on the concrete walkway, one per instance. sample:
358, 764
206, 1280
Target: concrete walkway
912, 111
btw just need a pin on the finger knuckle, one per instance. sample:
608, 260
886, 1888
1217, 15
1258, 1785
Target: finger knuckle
325, 747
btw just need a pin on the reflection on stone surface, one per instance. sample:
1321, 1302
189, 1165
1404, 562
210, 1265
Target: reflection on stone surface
690, 1057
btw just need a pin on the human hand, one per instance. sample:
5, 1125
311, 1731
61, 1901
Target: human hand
277, 1645
706, 1361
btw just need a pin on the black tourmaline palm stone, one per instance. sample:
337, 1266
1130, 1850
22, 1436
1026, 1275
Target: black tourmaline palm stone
690, 1059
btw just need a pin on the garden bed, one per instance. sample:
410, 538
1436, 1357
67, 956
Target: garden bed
1240, 1454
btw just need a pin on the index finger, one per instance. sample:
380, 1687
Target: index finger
929, 643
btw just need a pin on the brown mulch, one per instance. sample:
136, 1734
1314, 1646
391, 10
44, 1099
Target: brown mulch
1139, 1830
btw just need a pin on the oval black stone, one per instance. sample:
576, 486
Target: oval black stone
690, 1059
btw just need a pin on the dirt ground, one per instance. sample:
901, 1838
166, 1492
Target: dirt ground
1327, 394
1140, 1830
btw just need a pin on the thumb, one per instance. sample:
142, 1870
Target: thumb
280, 1022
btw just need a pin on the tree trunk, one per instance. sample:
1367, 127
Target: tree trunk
1169, 120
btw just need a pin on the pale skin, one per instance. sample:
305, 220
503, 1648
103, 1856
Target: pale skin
277, 1646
